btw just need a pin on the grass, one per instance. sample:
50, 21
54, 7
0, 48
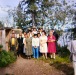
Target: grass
60, 63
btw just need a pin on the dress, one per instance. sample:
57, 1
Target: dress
29, 46
51, 45
43, 44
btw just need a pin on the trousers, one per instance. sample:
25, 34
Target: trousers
35, 52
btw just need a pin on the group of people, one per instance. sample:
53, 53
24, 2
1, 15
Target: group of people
34, 42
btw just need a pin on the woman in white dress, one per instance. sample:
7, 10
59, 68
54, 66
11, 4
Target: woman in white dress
43, 44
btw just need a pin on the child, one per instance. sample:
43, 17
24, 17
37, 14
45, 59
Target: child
35, 46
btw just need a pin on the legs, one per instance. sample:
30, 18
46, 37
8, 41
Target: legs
53, 55
37, 52
45, 55
33, 52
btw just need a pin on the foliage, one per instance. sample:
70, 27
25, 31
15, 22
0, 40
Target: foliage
61, 62
6, 58
1, 46
61, 57
63, 51
1, 24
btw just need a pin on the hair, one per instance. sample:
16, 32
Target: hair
35, 35
44, 32
30, 31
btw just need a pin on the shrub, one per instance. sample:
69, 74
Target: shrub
1, 46
6, 58
63, 51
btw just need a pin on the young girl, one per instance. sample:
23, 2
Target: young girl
35, 46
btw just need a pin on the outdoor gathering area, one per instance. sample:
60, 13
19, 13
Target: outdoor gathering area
38, 37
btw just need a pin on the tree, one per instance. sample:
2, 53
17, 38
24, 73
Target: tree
41, 12
1, 24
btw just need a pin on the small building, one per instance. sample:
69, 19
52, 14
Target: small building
5, 34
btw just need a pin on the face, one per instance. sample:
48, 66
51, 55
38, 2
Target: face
20, 34
41, 29
34, 29
43, 33
51, 33
13, 35
25, 35
38, 35
35, 36
28, 35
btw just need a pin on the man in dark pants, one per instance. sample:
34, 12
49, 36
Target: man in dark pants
20, 44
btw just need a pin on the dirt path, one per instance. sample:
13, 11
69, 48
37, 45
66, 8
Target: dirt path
30, 67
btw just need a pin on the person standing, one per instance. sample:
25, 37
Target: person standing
25, 35
20, 44
72, 48
43, 44
51, 44
28, 46
13, 44
34, 31
35, 46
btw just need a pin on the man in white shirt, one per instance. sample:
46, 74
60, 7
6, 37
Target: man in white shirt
35, 46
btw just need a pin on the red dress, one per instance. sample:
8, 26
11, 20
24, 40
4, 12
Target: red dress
51, 45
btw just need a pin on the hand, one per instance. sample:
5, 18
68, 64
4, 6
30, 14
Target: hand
41, 45
35, 47
51, 41
9, 48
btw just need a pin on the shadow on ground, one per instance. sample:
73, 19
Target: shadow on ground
67, 69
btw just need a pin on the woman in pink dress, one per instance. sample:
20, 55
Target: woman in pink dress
51, 44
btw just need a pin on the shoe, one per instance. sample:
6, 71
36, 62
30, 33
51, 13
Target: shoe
53, 57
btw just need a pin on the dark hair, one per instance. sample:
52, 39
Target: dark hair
44, 32
52, 29
35, 35
30, 31
38, 33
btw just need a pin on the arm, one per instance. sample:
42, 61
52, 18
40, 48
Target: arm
33, 42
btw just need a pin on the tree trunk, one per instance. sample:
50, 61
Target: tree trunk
33, 20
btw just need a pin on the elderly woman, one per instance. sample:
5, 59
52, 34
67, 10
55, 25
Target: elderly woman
51, 44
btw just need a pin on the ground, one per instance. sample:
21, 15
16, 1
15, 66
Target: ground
30, 67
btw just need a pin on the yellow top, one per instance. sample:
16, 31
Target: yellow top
13, 41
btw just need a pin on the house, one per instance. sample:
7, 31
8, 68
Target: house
5, 34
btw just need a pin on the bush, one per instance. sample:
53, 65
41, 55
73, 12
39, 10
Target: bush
1, 46
63, 51
6, 58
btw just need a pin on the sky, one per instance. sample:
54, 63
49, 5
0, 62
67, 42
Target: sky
6, 5
11, 4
